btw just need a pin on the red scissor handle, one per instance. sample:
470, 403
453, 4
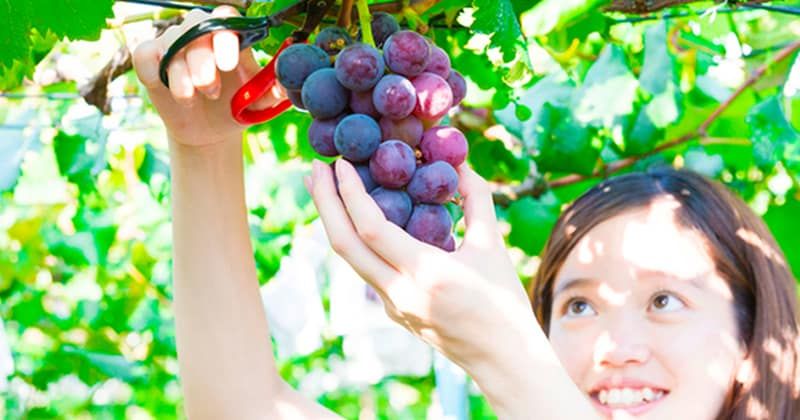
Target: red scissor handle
257, 87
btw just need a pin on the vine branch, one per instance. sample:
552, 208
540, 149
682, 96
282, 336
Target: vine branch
528, 188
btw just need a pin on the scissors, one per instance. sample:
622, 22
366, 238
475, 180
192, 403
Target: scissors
251, 30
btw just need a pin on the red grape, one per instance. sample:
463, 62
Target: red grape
407, 53
409, 129
434, 97
433, 183
393, 164
444, 143
394, 97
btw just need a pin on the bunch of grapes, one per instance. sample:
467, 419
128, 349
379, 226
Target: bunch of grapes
380, 110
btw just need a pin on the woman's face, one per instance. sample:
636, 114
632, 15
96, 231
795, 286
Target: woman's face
643, 322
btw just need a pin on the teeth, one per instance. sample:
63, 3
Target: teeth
628, 396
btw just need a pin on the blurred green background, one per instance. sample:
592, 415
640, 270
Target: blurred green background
560, 93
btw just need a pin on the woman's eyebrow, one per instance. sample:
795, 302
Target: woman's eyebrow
574, 283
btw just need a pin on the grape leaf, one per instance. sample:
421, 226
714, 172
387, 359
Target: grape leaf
609, 77
773, 137
531, 221
497, 18
782, 221
550, 15
74, 19
564, 144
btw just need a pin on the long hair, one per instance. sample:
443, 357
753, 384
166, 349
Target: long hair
745, 254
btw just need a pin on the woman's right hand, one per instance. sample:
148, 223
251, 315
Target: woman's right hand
202, 79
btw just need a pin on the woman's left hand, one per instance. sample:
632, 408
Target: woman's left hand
468, 304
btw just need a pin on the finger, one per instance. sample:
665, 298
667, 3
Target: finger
146, 59
481, 222
388, 240
180, 82
226, 43
342, 235
203, 68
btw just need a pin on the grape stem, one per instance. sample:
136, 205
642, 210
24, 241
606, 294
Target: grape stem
505, 195
365, 19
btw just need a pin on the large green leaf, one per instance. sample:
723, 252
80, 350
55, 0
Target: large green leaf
564, 144
531, 222
782, 221
550, 15
497, 18
608, 91
74, 19
773, 137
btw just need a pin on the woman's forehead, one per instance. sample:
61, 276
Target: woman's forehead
650, 239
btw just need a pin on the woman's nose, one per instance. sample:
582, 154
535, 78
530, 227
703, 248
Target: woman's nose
622, 344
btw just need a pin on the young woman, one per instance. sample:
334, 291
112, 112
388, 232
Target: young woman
659, 296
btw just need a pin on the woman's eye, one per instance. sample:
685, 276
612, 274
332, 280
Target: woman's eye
667, 302
578, 307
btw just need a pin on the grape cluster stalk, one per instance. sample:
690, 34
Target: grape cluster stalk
381, 109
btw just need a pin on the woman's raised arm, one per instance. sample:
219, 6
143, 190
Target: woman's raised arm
227, 368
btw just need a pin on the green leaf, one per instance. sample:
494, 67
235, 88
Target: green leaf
643, 135
15, 142
497, 18
531, 222
113, 365
782, 222
550, 15
74, 19
609, 77
564, 144
554, 89
492, 160
773, 137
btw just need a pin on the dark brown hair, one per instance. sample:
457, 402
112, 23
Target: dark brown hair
746, 256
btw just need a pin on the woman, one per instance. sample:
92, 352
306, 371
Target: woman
659, 296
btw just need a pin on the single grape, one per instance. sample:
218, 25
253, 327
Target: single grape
407, 53
434, 97
433, 183
322, 94
363, 173
357, 137
366, 178
450, 244
458, 85
361, 103
333, 39
444, 143
439, 63
320, 135
394, 96
297, 62
430, 223
383, 25
409, 129
393, 164
296, 98
359, 67
395, 204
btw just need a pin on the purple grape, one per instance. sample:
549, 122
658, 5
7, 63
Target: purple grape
394, 96
366, 178
333, 39
363, 173
297, 62
383, 25
430, 223
450, 244
439, 63
361, 103
409, 129
434, 183
322, 94
359, 67
320, 135
357, 137
444, 143
434, 97
393, 164
407, 53
458, 85
296, 98
395, 204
